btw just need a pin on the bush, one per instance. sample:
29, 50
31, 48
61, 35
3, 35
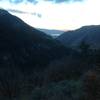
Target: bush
64, 90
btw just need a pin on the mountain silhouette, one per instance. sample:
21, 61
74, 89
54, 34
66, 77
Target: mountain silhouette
24, 46
88, 34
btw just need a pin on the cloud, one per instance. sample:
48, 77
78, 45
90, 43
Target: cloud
37, 1
61, 1
33, 1
37, 14
21, 1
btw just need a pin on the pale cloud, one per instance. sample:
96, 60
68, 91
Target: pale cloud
61, 1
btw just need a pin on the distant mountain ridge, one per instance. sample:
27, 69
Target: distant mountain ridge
52, 32
88, 34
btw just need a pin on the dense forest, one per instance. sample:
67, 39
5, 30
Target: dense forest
35, 66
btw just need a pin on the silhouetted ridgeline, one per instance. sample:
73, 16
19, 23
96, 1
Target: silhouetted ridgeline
24, 46
24, 49
88, 34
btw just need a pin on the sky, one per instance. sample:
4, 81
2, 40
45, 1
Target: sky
55, 14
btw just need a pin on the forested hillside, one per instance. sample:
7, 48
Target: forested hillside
35, 66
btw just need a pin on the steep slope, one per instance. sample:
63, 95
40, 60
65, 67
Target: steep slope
23, 46
88, 34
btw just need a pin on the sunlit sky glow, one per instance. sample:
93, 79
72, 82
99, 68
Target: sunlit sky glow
62, 16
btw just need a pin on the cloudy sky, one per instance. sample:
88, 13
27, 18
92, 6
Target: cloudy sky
55, 14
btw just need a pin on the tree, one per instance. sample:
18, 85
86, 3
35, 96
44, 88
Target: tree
91, 84
11, 81
84, 48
